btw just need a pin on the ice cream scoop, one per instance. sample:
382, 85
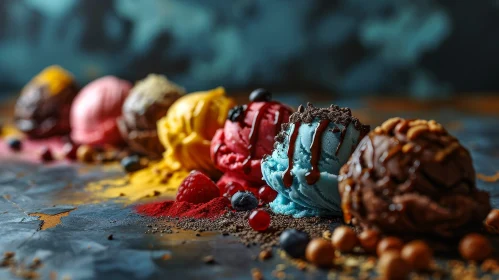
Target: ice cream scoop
43, 108
412, 177
95, 111
186, 132
148, 101
248, 135
188, 127
309, 152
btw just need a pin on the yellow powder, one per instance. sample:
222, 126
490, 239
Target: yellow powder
50, 221
146, 183
9, 130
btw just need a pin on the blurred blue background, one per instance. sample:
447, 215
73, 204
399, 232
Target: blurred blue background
424, 48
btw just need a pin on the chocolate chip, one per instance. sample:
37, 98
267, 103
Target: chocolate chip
209, 260
46, 155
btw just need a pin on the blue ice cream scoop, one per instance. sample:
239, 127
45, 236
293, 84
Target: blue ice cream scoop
309, 152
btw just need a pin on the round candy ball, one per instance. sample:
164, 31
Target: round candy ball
320, 252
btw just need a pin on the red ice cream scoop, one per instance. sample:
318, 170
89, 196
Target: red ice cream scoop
95, 111
248, 134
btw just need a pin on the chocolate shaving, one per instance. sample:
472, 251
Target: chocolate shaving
332, 113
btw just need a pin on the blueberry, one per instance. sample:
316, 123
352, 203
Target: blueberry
260, 95
294, 242
244, 201
14, 144
131, 163
236, 114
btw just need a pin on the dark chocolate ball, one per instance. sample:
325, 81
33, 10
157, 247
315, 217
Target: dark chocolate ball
260, 95
412, 177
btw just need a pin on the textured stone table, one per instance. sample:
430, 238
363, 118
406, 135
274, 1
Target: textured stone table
78, 246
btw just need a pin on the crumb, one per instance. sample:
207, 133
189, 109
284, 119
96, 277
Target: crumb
279, 274
302, 266
490, 265
35, 264
265, 255
280, 267
236, 224
209, 260
256, 274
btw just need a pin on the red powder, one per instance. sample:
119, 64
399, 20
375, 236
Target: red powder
208, 210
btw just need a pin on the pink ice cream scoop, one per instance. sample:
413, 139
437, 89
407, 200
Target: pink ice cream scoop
247, 136
95, 110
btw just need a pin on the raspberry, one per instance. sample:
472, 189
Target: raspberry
197, 188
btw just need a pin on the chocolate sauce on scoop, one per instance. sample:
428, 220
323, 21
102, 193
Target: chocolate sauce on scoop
325, 116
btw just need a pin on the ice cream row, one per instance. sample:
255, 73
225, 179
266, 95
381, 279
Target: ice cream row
109, 110
406, 175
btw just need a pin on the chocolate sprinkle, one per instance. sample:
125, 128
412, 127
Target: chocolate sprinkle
236, 223
333, 113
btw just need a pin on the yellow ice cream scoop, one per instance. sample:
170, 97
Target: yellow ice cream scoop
188, 127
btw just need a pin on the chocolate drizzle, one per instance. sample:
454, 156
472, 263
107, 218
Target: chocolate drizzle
313, 175
216, 149
253, 135
332, 114
287, 177
342, 137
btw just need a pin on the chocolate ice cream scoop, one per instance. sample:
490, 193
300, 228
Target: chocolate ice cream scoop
149, 100
43, 108
412, 177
